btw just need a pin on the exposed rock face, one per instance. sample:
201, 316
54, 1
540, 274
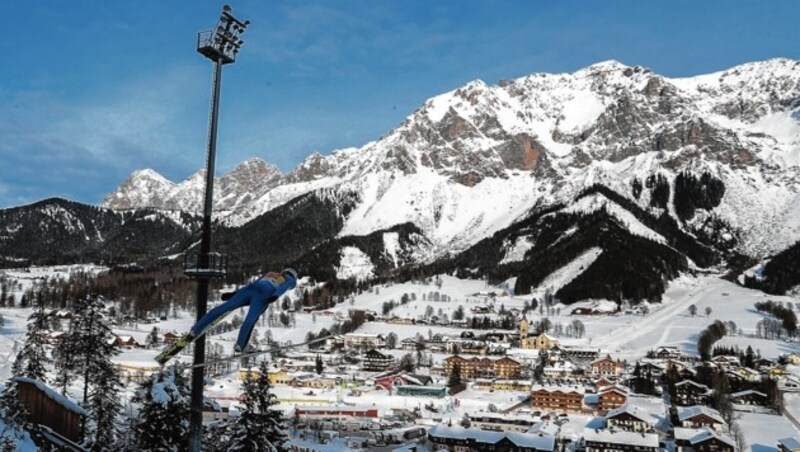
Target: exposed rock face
147, 189
607, 123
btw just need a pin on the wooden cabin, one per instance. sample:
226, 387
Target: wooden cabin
49, 408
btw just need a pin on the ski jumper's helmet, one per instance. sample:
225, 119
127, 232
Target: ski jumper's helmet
290, 272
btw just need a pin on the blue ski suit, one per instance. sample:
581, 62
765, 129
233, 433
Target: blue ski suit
258, 295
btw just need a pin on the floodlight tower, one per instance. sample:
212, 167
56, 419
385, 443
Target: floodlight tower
220, 45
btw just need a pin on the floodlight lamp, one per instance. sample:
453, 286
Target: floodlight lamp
226, 8
246, 23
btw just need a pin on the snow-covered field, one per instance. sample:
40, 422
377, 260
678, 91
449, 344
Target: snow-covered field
762, 431
626, 335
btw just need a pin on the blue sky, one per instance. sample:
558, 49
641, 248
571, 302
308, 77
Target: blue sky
93, 90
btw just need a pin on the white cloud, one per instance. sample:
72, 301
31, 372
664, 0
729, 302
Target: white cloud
149, 116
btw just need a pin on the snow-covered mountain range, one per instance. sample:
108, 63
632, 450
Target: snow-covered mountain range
474, 160
605, 183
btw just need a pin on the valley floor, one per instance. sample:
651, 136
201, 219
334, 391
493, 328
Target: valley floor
624, 336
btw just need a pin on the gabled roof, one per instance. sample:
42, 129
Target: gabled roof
700, 435
377, 354
606, 358
615, 388
748, 392
692, 383
697, 410
631, 410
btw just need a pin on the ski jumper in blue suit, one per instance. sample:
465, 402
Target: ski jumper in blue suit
258, 295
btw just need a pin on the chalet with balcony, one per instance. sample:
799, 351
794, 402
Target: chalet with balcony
688, 393
506, 367
700, 416
630, 418
750, 397
606, 367
702, 440
611, 397
667, 352
576, 353
564, 399
484, 367
375, 361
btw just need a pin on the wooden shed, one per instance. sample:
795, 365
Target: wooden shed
51, 409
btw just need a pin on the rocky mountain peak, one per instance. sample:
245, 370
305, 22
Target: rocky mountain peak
143, 188
547, 136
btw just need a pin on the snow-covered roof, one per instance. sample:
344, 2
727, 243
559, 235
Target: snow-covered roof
56, 397
696, 436
484, 436
748, 392
635, 411
544, 428
326, 408
707, 434
790, 443
693, 383
621, 437
615, 388
443, 431
696, 410
544, 442
552, 388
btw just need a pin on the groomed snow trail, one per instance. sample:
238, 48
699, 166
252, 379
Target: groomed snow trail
623, 337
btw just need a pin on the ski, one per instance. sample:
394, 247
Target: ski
174, 348
257, 353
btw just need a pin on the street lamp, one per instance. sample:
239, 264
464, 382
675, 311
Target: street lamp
221, 45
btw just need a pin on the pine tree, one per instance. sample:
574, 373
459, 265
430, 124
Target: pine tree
89, 349
12, 411
454, 379
152, 338
104, 405
318, 364
258, 428
32, 359
163, 419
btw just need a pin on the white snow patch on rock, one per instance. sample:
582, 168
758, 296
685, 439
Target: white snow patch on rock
516, 252
391, 242
561, 277
595, 202
354, 264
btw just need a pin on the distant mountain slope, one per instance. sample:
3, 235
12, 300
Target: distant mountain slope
779, 274
633, 254
57, 231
